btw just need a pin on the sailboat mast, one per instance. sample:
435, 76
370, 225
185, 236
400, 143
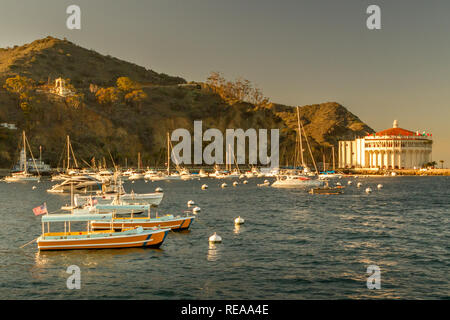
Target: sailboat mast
139, 161
309, 149
334, 163
68, 153
300, 138
168, 154
25, 166
323, 161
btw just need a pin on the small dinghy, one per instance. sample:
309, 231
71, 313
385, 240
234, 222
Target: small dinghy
326, 190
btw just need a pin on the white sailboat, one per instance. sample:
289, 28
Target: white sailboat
113, 193
297, 178
24, 175
330, 174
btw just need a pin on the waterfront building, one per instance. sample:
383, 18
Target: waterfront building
10, 126
393, 148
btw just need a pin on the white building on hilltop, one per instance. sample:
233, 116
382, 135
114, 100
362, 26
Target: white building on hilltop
61, 89
394, 148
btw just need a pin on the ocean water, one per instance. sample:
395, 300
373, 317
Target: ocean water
293, 245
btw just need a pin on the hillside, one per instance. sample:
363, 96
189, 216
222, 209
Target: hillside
124, 128
52, 58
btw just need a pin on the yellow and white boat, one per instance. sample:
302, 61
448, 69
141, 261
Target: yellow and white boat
92, 239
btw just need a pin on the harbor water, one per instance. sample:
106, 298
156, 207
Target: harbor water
293, 245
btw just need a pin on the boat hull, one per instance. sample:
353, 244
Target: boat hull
297, 183
153, 199
175, 224
25, 179
113, 240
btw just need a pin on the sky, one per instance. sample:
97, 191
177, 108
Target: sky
298, 52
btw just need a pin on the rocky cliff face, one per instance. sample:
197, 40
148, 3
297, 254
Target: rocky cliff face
121, 130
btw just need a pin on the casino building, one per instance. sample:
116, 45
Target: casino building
393, 148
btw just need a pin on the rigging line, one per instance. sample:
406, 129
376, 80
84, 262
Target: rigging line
73, 154
32, 157
309, 148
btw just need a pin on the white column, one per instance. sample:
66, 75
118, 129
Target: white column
379, 159
393, 159
386, 159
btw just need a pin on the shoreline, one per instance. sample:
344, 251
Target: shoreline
398, 172
352, 172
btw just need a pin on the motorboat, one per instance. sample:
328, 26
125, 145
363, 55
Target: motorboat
175, 223
96, 239
78, 184
296, 181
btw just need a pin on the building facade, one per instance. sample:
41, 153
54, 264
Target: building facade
61, 89
394, 148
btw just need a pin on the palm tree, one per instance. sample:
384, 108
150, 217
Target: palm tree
442, 163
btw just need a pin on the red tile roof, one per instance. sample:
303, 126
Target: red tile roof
395, 132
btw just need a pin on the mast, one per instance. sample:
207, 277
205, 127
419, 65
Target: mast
309, 148
334, 164
300, 138
25, 166
168, 154
323, 160
68, 154
139, 161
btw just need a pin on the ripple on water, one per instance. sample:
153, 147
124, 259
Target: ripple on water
293, 245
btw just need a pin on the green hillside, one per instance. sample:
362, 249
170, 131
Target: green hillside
135, 120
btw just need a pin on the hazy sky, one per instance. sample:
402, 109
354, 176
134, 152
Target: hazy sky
297, 52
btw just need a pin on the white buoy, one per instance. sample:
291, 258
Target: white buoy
215, 238
380, 186
190, 202
196, 209
235, 183
146, 181
239, 220
132, 181
245, 182
224, 185
368, 190
34, 187
350, 182
338, 183
204, 187
359, 185
159, 189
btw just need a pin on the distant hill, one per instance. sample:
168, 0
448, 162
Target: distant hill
123, 129
52, 58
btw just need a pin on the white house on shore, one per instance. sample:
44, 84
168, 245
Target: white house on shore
10, 126
393, 148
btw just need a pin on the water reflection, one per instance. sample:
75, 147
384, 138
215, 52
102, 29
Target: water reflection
213, 252
89, 258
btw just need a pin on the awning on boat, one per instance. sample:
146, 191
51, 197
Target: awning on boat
113, 207
75, 217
